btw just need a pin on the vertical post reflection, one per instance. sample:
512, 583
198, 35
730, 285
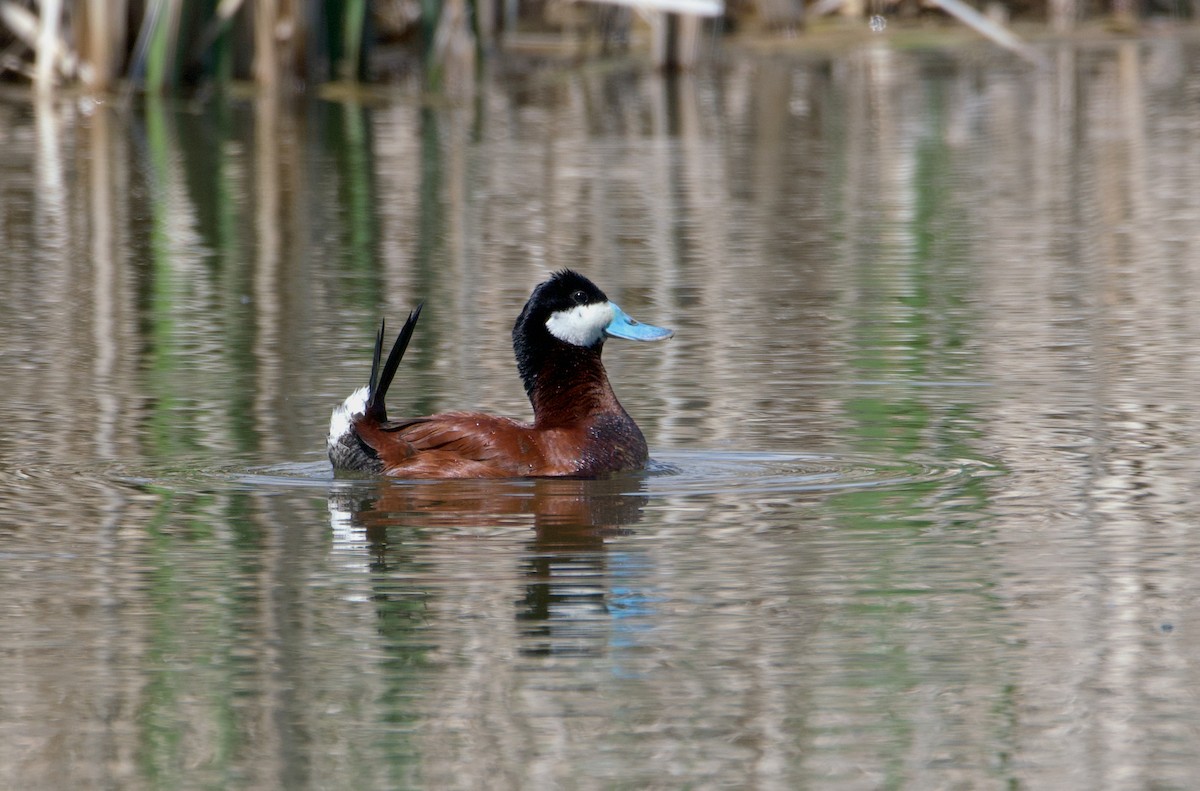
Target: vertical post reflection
104, 284
267, 282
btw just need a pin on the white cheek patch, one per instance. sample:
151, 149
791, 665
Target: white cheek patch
582, 325
339, 421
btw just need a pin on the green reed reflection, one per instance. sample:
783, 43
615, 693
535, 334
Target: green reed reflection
166, 435
908, 340
199, 313
350, 142
191, 691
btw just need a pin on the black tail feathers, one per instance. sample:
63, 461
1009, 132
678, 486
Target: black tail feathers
381, 380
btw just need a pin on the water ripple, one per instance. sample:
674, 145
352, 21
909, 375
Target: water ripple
684, 472
670, 473
713, 472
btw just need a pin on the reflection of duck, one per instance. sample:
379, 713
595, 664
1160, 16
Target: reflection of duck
569, 513
564, 563
579, 428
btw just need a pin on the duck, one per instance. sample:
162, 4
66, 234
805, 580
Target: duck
579, 428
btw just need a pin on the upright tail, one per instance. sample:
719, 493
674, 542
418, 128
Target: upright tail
382, 380
347, 450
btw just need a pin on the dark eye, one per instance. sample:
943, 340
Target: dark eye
579, 298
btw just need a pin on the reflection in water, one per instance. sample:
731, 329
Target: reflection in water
563, 563
890, 273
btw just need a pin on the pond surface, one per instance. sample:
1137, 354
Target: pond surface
923, 505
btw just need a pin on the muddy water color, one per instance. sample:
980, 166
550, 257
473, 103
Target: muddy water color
922, 508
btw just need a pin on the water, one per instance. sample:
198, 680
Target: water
922, 505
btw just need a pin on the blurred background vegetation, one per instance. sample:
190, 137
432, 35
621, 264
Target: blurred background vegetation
168, 45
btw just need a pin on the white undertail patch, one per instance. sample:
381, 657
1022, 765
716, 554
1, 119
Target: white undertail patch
339, 421
581, 325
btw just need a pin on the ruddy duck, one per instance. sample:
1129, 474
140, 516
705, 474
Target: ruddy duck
579, 428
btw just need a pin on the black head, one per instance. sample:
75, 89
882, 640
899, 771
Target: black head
566, 311
565, 322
